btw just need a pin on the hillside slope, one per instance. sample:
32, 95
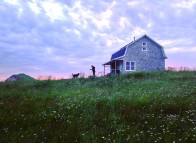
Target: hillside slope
138, 107
20, 77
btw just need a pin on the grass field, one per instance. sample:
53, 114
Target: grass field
142, 107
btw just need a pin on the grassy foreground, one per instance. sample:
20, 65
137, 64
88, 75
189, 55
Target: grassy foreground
133, 108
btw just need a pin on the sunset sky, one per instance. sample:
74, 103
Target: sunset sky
61, 37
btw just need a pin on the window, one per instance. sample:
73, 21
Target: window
144, 46
130, 66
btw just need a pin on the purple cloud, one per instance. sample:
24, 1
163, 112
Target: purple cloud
54, 37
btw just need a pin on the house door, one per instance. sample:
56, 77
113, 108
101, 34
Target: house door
120, 66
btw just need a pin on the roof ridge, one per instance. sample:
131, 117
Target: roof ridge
120, 53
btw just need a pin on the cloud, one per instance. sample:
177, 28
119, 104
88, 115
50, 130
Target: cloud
185, 4
123, 22
13, 2
53, 10
34, 7
57, 36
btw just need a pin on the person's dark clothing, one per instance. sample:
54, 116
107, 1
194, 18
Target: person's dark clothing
93, 70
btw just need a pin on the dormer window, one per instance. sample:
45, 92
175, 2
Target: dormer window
144, 46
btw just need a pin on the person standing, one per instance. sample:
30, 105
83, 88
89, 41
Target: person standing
93, 70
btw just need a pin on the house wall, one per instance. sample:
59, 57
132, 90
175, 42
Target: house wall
150, 60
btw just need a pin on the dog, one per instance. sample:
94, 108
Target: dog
75, 75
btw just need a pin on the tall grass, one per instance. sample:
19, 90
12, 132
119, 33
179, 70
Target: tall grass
138, 107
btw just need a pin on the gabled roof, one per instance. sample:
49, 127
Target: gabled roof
121, 53
162, 50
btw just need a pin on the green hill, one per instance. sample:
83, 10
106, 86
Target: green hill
133, 108
25, 77
20, 77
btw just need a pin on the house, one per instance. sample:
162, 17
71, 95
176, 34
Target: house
142, 54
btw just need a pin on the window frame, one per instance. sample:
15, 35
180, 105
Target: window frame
130, 66
144, 46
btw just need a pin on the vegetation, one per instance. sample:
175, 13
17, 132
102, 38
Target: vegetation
138, 107
20, 77
25, 77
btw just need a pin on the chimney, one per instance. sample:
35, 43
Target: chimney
133, 38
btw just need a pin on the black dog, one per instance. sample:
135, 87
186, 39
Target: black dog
75, 75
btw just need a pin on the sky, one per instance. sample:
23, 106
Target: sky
60, 37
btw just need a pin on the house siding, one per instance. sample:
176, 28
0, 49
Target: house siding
150, 60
